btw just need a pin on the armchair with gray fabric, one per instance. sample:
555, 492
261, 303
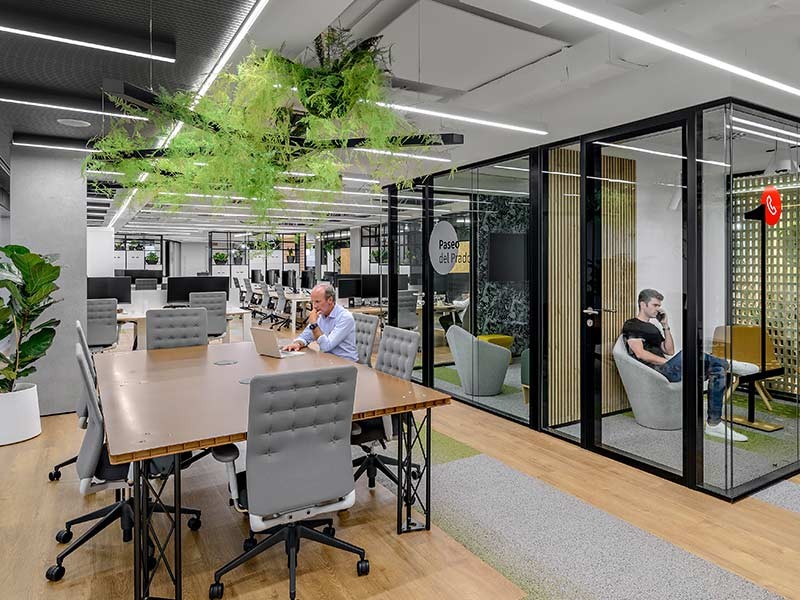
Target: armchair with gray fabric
656, 403
396, 355
366, 327
96, 473
481, 366
216, 304
102, 331
407, 309
297, 465
176, 327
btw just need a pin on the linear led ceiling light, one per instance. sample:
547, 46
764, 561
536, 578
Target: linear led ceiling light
510, 168
765, 127
658, 153
360, 180
403, 155
462, 118
764, 135
85, 44
72, 109
53, 147
212, 76
653, 40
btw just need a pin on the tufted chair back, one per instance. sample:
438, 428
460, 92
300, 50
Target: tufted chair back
407, 309
101, 322
176, 327
298, 439
397, 352
215, 304
366, 326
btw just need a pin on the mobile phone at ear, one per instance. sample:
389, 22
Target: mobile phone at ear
660, 316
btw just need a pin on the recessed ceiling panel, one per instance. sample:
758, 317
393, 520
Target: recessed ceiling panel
435, 43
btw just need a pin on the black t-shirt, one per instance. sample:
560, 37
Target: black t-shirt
636, 329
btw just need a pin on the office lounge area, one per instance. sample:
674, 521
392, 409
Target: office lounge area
490, 193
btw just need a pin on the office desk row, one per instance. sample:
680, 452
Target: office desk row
163, 402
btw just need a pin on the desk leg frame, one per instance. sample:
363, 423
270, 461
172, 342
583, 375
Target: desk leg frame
148, 501
409, 476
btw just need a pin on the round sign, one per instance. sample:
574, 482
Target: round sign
443, 247
771, 199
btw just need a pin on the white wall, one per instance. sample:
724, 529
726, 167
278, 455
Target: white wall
5, 230
99, 252
194, 258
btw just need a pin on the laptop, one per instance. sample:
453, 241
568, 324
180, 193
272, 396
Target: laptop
266, 341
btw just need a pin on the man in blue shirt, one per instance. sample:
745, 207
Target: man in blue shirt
330, 325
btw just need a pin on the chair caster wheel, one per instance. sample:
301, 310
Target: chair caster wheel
329, 531
64, 536
249, 544
54, 475
414, 474
362, 568
54, 573
216, 590
194, 523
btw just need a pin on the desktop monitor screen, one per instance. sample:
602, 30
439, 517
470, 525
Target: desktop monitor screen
349, 286
308, 279
371, 286
255, 276
109, 287
180, 287
273, 276
289, 279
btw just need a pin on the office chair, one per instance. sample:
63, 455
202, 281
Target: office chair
278, 316
81, 408
176, 327
216, 304
366, 326
407, 309
145, 283
396, 355
102, 331
97, 473
297, 465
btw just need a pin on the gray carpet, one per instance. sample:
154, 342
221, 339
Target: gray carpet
785, 494
510, 404
558, 547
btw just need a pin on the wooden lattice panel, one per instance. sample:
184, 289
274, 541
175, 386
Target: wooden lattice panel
781, 269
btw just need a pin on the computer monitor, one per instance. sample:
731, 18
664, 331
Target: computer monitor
371, 286
109, 287
308, 279
180, 287
289, 279
273, 276
255, 276
349, 286
330, 276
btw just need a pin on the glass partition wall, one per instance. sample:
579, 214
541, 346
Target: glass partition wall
640, 284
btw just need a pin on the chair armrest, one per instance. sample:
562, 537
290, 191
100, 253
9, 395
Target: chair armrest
225, 454
484, 347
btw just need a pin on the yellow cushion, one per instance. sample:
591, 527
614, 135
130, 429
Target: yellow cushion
498, 339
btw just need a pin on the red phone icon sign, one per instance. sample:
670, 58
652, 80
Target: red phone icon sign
771, 199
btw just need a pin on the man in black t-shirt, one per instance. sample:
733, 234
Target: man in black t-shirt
656, 349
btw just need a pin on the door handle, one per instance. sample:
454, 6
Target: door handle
590, 311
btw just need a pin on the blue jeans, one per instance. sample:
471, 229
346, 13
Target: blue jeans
715, 369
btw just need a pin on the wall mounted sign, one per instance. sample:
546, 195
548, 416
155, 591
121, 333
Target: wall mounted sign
771, 199
443, 247
462, 260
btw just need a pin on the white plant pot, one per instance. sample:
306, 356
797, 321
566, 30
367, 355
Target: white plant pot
19, 414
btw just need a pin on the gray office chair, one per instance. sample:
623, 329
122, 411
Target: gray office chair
366, 326
145, 283
407, 309
278, 316
297, 464
102, 331
81, 407
216, 304
97, 473
176, 327
396, 355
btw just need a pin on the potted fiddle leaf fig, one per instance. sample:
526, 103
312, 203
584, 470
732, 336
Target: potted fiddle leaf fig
30, 282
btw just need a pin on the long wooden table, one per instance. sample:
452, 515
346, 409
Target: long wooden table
161, 403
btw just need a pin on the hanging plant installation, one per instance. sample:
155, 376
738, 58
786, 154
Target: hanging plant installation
274, 129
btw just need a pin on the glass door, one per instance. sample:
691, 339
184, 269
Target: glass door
633, 307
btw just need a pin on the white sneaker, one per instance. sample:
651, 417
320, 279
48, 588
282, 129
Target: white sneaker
720, 430
743, 368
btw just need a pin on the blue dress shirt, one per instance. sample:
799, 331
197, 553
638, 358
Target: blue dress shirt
338, 334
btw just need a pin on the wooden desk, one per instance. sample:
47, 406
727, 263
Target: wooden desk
163, 402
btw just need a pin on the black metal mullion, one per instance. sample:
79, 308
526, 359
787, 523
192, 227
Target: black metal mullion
394, 262
537, 290
427, 284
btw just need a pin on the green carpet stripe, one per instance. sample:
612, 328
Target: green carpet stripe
450, 375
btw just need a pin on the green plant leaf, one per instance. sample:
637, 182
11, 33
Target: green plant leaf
12, 250
49, 323
27, 371
35, 346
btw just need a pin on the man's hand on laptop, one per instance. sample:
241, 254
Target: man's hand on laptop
293, 347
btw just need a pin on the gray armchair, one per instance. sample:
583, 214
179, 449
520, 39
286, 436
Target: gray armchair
297, 466
407, 309
216, 305
481, 366
102, 331
176, 327
366, 326
656, 403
